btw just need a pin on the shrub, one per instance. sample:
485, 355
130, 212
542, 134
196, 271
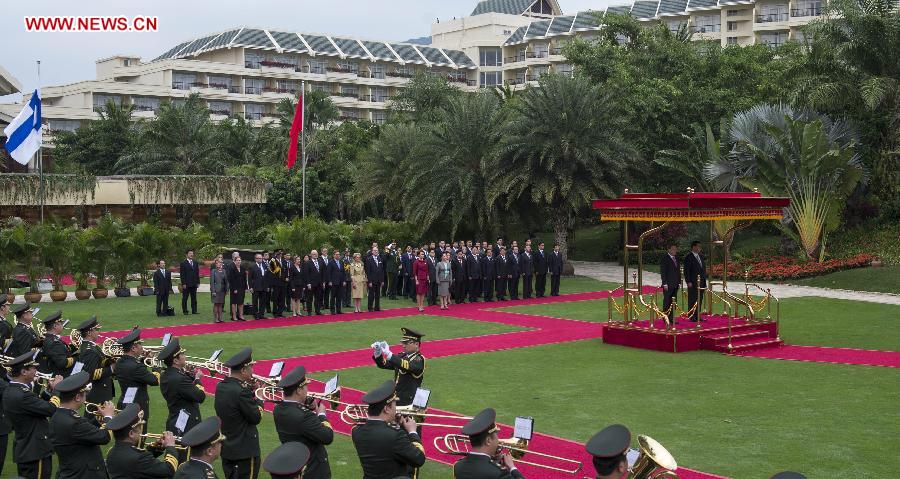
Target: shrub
779, 268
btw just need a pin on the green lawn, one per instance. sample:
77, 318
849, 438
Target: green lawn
848, 324
292, 341
880, 280
740, 417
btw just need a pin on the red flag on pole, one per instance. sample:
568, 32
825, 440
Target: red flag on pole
296, 128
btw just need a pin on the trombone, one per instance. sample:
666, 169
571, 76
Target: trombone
275, 394
457, 444
358, 413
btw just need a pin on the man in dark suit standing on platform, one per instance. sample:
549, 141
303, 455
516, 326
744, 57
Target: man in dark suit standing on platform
694, 269
162, 286
259, 283
406, 262
540, 271
458, 268
190, 279
555, 266
670, 271
374, 268
500, 274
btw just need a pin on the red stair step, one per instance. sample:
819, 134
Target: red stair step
750, 345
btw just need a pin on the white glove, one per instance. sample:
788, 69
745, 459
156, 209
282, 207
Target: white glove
376, 347
386, 350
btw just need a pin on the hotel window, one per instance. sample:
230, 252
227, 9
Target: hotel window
254, 86
773, 39
379, 117
321, 87
253, 111
731, 41
674, 25
347, 66
317, 66
707, 23
541, 50
219, 81
564, 69
807, 8
287, 86
491, 57
349, 114
287, 59
732, 26
183, 81
772, 13
379, 94
490, 78
734, 13
405, 71
349, 90
220, 108
100, 101
63, 125
146, 104
251, 59
377, 71
520, 77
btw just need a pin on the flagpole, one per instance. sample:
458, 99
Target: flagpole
303, 144
40, 155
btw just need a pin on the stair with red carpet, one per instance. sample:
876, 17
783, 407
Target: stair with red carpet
746, 337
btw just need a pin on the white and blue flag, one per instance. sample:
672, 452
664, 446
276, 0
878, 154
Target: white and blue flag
23, 135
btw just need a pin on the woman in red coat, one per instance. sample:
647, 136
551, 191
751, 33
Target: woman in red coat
420, 272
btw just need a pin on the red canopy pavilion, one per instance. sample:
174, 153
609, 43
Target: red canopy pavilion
739, 324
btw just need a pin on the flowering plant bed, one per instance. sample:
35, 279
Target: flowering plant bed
778, 268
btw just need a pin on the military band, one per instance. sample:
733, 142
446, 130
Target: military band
205, 444
29, 414
299, 420
133, 375
485, 461
24, 337
408, 366
97, 364
240, 412
288, 461
387, 448
76, 440
126, 460
54, 358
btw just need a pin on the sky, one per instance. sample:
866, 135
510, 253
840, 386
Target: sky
69, 57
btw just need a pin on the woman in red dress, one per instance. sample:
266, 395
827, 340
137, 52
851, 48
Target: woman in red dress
420, 272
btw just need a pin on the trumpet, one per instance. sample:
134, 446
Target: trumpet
94, 409
157, 438
358, 413
458, 444
653, 457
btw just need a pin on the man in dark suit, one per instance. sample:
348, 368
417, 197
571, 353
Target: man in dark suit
276, 284
541, 265
458, 268
514, 272
162, 286
374, 268
259, 283
314, 272
527, 272
337, 281
432, 261
695, 277
237, 282
501, 276
190, 280
326, 289
670, 271
555, 265
473, 273
286, 264
406, 262
487, 274
497, 246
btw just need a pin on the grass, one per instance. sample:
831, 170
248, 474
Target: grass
740, 417
879, 280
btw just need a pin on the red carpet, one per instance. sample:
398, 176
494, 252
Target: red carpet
862, 357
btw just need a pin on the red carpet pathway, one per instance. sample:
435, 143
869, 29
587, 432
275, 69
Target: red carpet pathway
540, 442
862, 357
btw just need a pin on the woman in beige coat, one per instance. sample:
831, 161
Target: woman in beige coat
357, 281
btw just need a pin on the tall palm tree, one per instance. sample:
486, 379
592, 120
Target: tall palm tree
379, 175
562, 148
179, 141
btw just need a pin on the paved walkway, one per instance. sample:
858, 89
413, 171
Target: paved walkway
613, 272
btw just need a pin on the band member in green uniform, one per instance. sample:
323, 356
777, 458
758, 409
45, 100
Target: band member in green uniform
482, 462
287, 461
205, 443
408, 366
75, 439
240, 412
97, 364
387, 449
133, 375
54, 358
181, 389
127, 461
300, 420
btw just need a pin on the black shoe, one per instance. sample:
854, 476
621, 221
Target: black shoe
377, 309
195, 312
185, 313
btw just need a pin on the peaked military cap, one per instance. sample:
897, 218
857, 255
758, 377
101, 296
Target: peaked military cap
52, 318
23, 360
295, 378
87, 324
612, 441
483, 422
411, 335
21, 309
133, 337
287, 460
170, 350
130, 417
788, 475
383, 393
203, 434
240, 359
74, 383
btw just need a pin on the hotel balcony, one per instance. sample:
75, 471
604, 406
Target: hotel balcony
772, 17
342, 73
806, 12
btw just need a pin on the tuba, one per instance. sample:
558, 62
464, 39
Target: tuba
111, 349
653, 457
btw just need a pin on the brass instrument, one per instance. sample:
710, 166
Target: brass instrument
75, 338
275, 394
358, 413
111, 349
653, 458
94, 409
157, 438
457, 444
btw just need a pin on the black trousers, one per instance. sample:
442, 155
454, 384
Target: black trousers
314, 295
501, 287
241, 468
398, 285
554, 285
526, 286
514, 287
277, 300
694, 297
432, 293
410, 287
487, 286
540, 284
459, 290
374, 298
260, 300
192, 292
346, 291
670, 294
337, 297
162, 303
326, 297
474, 289
40, 469
4, 440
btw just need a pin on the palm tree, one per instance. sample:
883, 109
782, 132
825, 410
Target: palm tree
463, 142
703, 149
782, 151
562, 148
97, 146
379, 172
422, 97
179, 141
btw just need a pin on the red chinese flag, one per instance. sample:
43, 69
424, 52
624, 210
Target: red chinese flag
296, 128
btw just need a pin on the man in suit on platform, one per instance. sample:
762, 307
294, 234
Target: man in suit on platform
670, 271
694, 269
541, 265
162, 286
374, 268
190, 279
554, 267
326, 289
259, 284
500, 274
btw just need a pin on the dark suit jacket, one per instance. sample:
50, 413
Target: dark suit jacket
77, 444
294, 422
670, 271
240, 413
459, 270
162, 283
432, 268
479, 466
473, 266
237, 277
514, 265
500, 267
555, 263
406, 262
314, 277
375, 271
190, 276
541, 261
297, 277
527, 263
259, 279
334, 273
693, 268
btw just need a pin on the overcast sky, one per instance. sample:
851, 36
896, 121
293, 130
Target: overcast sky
69, 57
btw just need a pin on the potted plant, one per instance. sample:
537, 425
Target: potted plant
23, 246
152, 243
81, 264
55, 249
8, 262
125, 255
99, 240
